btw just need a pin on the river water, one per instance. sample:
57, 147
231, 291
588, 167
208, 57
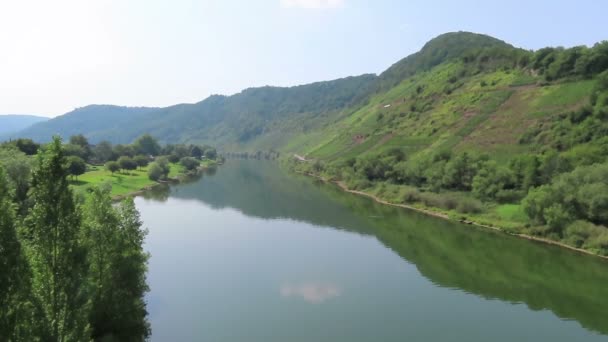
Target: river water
250, 253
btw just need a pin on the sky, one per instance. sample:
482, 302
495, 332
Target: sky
63, 54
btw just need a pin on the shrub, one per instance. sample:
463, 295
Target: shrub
469, 206
112, 166
141, 160
190, 163
155, 172
76, 166
127, 163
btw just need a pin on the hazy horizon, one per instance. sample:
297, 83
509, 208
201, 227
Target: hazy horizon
70, 54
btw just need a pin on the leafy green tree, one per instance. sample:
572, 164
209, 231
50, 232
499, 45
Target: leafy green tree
124, 150
490, 180
159, 169
210, 153
57, 257
18, 169
580, 194
148, 145
75, 166
459, 172
117, 269
14, 274
190, 163
155, 172
127, 163
103, 152
196, 152
81, 140
74, 150
112, 166
141, 160
27, 146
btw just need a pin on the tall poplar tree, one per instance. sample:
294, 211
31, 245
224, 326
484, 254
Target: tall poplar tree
13, 272
57, 258
118, 266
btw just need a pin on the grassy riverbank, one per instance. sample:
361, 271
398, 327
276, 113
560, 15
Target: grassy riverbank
507, 218
125, 183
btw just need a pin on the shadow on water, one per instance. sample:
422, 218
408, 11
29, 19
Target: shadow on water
485, 263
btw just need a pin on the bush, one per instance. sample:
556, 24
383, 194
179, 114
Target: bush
141, 160
190, 163
112, 166
469, 206
587, 235
127, 163
155, 172
173, 158
76, 166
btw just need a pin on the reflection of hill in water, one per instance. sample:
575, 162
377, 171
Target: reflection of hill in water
487, 264
261, 189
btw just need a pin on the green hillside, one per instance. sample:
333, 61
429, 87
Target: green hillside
262, 117
469, 126
10, 124
479, 130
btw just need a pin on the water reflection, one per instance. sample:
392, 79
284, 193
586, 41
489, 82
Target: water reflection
487, 264
311, 292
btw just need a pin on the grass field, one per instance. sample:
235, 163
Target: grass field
124, 182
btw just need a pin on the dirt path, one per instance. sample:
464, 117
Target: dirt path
345, 188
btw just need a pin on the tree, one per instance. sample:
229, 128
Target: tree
81, 140
141, 160
112, 166
103, 152
14, 271
148, 145
117, 269
18, 170
75, 166
127, 163
159, 169
57, 257
27, 146
196, 152
155, 172
74, 150
459, 172
190, 163
210, 153
124, 150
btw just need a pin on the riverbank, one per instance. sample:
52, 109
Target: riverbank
130, 183
444, 216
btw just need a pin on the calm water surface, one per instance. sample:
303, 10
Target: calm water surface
248, 253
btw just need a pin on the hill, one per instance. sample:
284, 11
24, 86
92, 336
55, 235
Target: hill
487, 133
266, 116
469, 126
14, 123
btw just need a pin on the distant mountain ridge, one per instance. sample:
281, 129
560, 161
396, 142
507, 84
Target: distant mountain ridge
13, 123
219, 119
343, 113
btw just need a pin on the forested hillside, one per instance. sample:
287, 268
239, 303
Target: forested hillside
265, 117
14, 123
469, 125
480, 130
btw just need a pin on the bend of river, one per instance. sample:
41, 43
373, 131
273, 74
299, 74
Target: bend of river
249, 253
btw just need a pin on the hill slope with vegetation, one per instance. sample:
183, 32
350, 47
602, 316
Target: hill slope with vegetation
10, 124
479, 130
265, 117
469, 126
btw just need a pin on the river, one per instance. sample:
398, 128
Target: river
250, 253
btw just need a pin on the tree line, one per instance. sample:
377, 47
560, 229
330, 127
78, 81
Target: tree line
71, 271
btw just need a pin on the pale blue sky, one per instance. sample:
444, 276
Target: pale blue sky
61, 54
